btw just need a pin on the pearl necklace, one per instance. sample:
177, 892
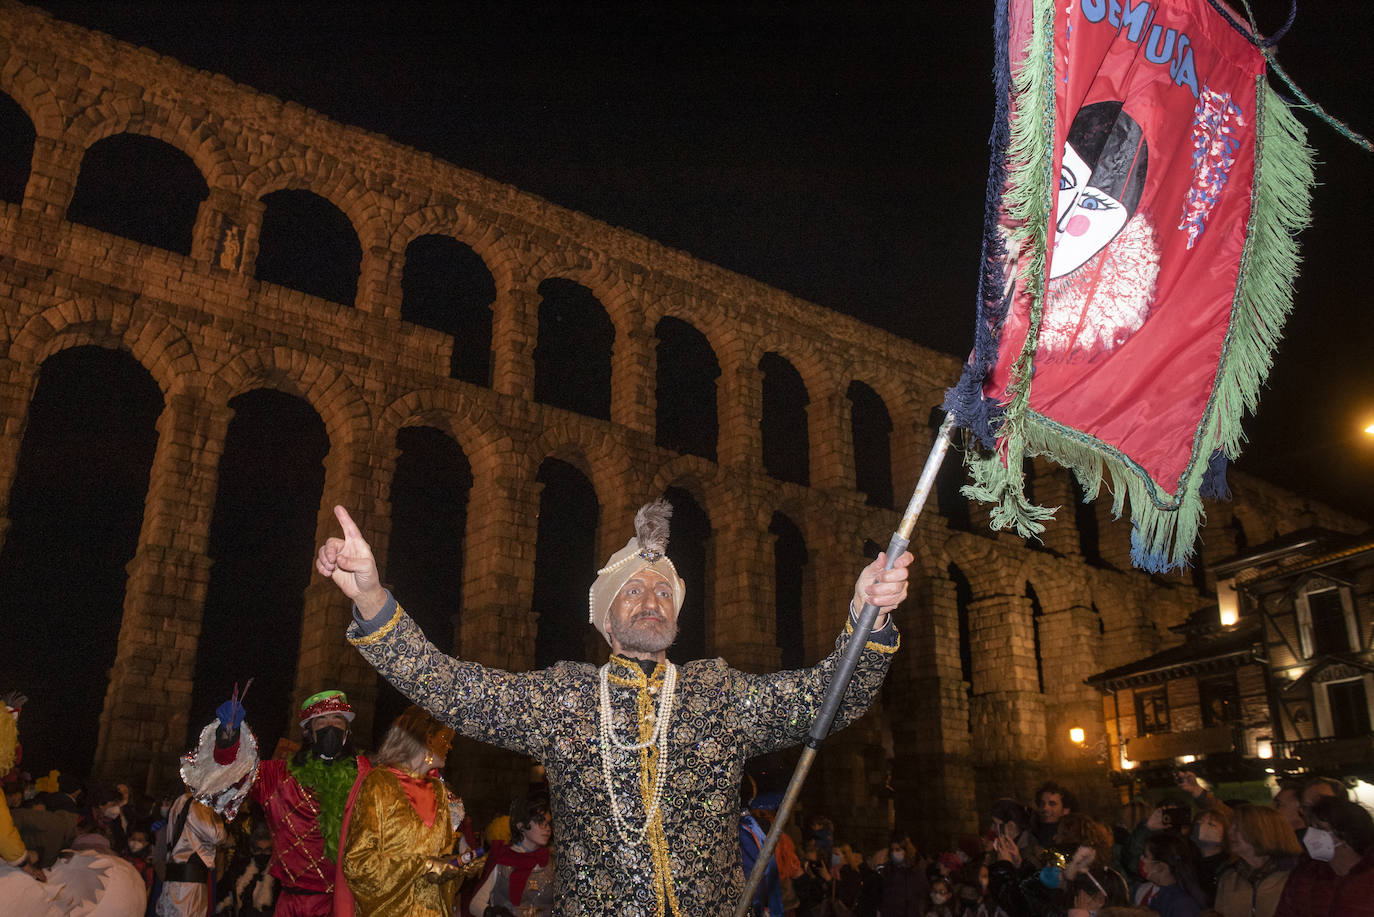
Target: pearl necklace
659, 738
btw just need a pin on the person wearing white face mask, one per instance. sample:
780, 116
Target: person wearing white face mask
1337, 877
941, 894
905, 888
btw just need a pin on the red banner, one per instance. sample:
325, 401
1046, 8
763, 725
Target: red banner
1133, 284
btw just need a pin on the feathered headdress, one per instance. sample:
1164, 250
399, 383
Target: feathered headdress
648, 549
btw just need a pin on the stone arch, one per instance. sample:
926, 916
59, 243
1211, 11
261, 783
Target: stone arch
499, 251
610, 287
141, 188
468, 422
817, 527
806, 357
76, 485
429, 497
791, 557
303, 242
690, 473
988, 572
686, 389
197, 137
445, 286
963, 596
345, 412
261, 527
148, 336
32, 93
701, 312
575, 368
873, 470
608, 468
332, 180
693, 551
887, 383
949, 500
785, 420
571, 516
906, 406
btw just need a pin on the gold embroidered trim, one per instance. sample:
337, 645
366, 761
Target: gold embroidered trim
870, 645
377, 635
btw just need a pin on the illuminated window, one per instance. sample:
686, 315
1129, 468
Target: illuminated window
1151, 711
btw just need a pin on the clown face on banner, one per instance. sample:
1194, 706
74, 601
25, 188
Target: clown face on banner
1106, 257
1100, 182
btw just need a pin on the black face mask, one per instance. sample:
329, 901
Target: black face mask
328, 742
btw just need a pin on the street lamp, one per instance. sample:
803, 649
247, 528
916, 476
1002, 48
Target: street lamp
1228, 602
1077, 735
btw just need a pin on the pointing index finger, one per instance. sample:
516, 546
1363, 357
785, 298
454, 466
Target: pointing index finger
350, 530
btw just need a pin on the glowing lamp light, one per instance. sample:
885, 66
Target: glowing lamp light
1076, 735
1264, 748
1228, 604
1126, 763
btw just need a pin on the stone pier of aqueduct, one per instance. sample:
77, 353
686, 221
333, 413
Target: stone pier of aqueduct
997, 638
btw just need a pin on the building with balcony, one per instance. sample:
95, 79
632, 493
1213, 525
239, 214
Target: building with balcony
1276, 680
1311, 593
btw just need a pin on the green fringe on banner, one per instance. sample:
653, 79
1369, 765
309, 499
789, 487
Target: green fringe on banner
1165, 525
997, 477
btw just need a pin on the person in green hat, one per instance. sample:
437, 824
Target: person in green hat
303, 798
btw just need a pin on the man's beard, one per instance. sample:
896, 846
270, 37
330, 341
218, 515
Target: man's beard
649, 635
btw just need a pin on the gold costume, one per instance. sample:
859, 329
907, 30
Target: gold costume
389, 849
12, 849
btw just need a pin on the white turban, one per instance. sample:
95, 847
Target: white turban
645, 551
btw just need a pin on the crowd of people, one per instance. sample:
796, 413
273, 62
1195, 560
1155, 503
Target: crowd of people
1309, 853
405, 845
282, 836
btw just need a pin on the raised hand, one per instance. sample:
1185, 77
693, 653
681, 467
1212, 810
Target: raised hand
1007, 850
1187, 780
884, 588
349, 563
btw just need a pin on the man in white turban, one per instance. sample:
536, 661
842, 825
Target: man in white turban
644, 758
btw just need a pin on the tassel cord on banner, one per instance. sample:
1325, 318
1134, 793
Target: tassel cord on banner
839, 681
1266, 47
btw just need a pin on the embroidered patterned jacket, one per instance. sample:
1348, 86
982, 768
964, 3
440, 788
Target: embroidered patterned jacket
688, 862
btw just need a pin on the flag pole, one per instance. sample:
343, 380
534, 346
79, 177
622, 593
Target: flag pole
839, 682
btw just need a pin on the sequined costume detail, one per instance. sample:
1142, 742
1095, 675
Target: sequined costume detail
688, 864
389, 846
